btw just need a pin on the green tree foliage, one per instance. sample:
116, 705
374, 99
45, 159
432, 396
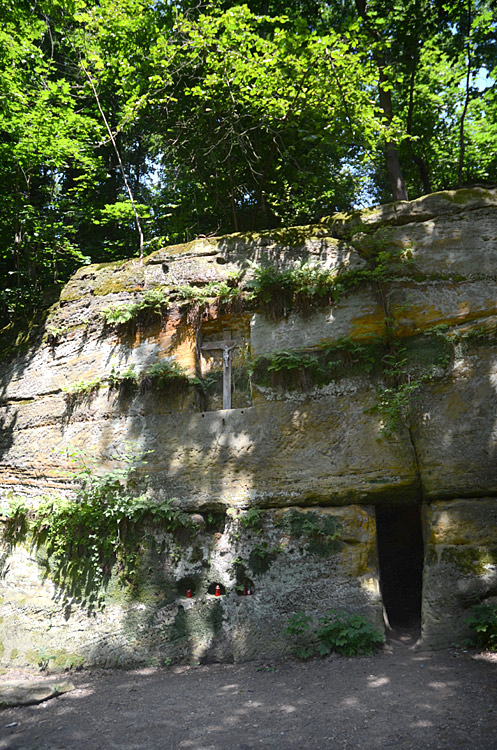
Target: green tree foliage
187, 119
268, 120
430, 57
46, 160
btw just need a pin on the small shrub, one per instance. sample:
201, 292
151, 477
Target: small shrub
483, 621
299, 628
348, 635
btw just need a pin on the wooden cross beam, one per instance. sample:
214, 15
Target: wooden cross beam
226, 345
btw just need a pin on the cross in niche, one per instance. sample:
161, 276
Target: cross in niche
226, 345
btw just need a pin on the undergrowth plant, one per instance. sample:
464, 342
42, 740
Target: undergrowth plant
402, 376
302, 369
219, 292
261, 557
55, 333
485, 332
403, 381
298, 628
483, 623
153, 302
307, 285
125, 380
81, 389
300, 287
293, 369
166, 372
252, 519
348, 635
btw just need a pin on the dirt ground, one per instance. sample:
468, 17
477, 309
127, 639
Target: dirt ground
399, 698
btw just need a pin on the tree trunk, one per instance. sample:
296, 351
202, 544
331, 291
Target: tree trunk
392, 160
394, 173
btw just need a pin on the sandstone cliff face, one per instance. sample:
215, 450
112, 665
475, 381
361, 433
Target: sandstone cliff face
407, 417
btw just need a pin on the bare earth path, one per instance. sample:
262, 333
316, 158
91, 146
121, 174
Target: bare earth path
396, 699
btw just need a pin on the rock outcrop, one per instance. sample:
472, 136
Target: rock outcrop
399, 409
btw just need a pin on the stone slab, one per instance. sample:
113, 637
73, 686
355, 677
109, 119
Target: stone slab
323, 450
454, 428
27, 693
461, 245
356, 315
460, 566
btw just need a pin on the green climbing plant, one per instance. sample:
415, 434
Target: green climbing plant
320, 532
81, 539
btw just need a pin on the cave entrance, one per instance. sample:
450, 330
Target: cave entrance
400, 551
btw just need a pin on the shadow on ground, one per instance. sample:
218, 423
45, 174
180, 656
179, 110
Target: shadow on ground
400, 698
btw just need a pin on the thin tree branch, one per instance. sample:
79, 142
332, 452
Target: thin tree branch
121, 166
462, 145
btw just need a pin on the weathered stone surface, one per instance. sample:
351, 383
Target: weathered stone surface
154, 622
24, 693
412, 306
460, 565
48, 369
321, 449
279, 247
418, 307
454, 428
360, 315
328, 449
448, 202
461, 245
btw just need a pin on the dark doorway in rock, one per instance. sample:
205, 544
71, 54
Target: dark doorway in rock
400, 551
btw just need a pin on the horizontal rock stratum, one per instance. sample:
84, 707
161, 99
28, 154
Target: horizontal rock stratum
379, 393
